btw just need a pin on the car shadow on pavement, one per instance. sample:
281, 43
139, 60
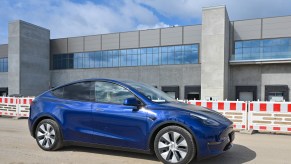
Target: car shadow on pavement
111, 152
236, 155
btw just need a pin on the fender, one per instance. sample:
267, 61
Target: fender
45, 116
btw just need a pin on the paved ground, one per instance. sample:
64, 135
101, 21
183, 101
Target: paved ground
17, 146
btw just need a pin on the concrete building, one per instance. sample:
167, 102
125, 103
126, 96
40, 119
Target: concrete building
219, 59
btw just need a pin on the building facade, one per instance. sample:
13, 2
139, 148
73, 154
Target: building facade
219, 59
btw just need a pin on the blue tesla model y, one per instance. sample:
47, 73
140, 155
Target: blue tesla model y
127, 115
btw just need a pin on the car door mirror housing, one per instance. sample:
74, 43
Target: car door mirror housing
131, 102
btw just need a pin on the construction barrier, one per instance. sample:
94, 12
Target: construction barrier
236, 111
8, 106
14, 106
270, 116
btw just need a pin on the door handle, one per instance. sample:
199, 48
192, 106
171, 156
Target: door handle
99, 109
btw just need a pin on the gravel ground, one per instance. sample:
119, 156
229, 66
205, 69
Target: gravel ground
17, 146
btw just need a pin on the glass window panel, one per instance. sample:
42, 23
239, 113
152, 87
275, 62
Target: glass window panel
267, 42
70, 63
109, 59
178, 57
247, 43
143, 59
247, 50
129, 59
164, 49
284, 41
156, 59
255, 50
143, 51
238, 44
104, 61
115, 58
149, 50
238, 51
156, 50
178, 48
171, 57
134, 60
149, 59
86, 62
123, 58
194, 47
164, 58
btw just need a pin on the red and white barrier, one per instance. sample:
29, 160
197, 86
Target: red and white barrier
16, 107
270, 116
8, 106
236, 111
24, 105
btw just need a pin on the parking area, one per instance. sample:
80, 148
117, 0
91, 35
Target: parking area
17, 146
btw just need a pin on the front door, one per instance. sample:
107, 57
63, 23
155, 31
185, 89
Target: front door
114, 123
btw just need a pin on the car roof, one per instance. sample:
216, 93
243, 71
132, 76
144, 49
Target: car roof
120, 81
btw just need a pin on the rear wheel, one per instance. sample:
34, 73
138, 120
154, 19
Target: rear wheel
174, 144
48, 136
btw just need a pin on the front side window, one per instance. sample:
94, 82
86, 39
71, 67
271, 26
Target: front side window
150, 92
106, 92
79, 91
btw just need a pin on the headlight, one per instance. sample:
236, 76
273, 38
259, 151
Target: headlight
205, 120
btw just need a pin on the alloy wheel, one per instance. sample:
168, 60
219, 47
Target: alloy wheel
46, 135
173, 147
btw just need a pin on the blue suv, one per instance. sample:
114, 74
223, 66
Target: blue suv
127, 115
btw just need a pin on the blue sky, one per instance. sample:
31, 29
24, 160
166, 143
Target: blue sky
67, 18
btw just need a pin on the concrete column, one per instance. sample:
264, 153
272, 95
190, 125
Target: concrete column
28, 54
214, 53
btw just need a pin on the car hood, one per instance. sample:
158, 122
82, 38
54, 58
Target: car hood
208, 113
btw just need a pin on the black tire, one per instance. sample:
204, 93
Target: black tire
176, 150
50, 140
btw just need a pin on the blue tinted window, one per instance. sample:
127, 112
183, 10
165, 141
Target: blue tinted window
181, 54
123, 58
263, 49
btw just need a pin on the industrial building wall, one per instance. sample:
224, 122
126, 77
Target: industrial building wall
3, 50
260, 76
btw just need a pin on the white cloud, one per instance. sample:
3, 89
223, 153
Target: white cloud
158, 25
65, 18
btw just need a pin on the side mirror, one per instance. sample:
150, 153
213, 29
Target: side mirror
131, 102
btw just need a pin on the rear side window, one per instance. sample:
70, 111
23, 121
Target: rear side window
82, 91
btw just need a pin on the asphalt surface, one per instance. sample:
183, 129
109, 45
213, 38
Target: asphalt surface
17, 146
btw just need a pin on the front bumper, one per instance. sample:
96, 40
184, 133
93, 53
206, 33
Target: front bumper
216, 144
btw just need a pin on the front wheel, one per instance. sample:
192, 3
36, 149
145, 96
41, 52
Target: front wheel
174, 144
48, 136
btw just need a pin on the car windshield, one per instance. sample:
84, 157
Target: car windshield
150, 92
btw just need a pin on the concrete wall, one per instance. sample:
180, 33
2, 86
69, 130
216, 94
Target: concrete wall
260, 75
125, 40
247, 29
155, 75
214, 50
29, 49
3, 79
3, 50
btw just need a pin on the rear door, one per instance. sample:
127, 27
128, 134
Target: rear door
75, 109
114, 123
